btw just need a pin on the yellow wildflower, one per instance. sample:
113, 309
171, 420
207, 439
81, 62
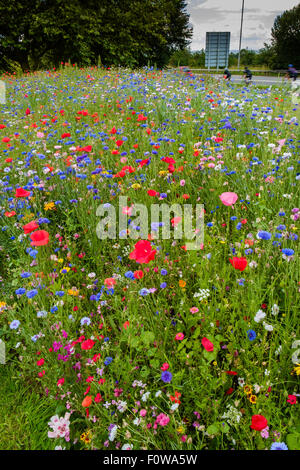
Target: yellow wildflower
49, 206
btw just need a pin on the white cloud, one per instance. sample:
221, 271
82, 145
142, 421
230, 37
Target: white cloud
225, 15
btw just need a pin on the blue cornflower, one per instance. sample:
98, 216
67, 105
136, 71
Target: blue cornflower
41, 314
279, 446
14, 324
144, 291
263, 235
25, 275
85, 321
166, 376
60, 293
287, 251
129, 275
251, 335
108, 360
53, 309
163, 285
163, 272
43, 220
293, 236
31, 293
33, 253
20, 291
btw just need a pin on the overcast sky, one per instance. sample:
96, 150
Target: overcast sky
225, 15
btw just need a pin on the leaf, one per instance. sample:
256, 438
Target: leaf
293, 441
134, 342
147, 337
210, 356
213, 429
144, 372
224, 427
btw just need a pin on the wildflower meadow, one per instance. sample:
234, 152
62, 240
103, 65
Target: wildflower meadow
121, 338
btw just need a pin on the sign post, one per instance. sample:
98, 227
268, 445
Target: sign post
217, 50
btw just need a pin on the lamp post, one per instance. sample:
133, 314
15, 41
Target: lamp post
241, 34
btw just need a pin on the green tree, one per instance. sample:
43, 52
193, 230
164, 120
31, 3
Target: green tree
285, 38
41, 33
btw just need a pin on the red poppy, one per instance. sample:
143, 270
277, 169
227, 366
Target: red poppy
30, 227
142, 252
151, 192
239, 263
98, 398
21, 192
138, 274
208, 346
88, 344
9, 214
87, 401
27, 111
292, 399
109, 281
39, 238
259, 422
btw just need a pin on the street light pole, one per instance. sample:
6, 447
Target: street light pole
241, 34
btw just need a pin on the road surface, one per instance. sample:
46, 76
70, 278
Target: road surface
258, 80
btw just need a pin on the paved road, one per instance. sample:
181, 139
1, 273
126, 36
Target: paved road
259, 80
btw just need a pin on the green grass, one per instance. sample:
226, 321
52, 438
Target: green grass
24, 414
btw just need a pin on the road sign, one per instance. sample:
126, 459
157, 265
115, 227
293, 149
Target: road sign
217, 50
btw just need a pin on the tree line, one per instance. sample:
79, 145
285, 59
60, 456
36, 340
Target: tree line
40, 34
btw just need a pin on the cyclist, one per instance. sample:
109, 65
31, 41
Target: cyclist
227, 75
247, 75
292, 73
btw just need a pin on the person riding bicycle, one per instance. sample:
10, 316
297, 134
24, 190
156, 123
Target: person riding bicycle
247, 75
227, 74
292, 72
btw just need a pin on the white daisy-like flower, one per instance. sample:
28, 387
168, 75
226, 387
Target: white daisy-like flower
275, 310
268, 327
241, 381
260, 315
174, 406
